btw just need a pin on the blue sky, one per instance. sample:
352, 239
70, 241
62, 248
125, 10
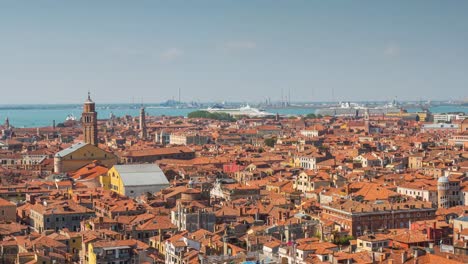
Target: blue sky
55, 51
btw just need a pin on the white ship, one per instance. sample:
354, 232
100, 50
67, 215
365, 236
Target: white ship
70, 117
354, 109
242, 111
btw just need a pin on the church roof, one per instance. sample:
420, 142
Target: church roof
69, 150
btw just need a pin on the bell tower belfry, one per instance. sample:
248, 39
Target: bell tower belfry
89, 121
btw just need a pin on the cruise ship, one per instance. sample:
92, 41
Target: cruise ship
70, 117
242, 111
354, 109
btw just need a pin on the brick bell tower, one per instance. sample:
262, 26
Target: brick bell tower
89, 121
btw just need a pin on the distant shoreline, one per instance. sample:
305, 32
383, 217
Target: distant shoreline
29, 116
313, 105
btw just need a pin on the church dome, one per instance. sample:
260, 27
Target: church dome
443, 179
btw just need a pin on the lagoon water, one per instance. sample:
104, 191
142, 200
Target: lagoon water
43, 115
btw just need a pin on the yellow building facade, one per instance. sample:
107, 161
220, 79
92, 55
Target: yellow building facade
423, 116
92, 259
113, 181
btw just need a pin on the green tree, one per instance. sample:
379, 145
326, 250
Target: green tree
343, 240
208, 115
270, 142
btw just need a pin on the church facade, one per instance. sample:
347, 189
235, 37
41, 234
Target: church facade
82, 154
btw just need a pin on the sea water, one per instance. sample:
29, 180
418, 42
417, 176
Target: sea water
43, 115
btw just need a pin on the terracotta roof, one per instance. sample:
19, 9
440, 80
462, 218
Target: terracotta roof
156, 151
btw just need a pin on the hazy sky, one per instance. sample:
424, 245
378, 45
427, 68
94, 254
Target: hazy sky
55, 51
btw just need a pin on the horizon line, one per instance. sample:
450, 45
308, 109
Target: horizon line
246, 102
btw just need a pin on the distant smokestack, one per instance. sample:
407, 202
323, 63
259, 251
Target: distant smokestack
179, 96
282, 97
